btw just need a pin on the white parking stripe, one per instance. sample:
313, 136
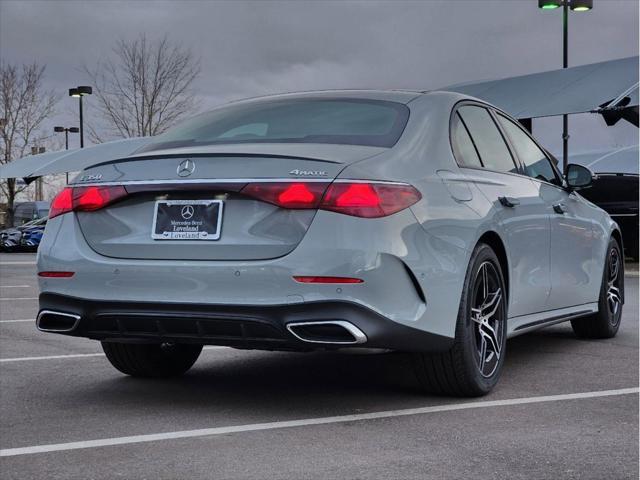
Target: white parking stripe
50, 357
15, 286
19, 321
154, 437
16, 263
74, 355
18, 298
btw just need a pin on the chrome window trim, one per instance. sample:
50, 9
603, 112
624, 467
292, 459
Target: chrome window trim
555, 170
489, 109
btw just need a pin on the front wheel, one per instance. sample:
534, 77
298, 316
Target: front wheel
473, 365
606, 322
152, 360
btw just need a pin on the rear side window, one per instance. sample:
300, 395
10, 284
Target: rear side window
487, 139
351, 121
536, 163
463, 147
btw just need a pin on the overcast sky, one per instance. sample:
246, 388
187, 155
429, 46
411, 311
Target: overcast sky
254, 48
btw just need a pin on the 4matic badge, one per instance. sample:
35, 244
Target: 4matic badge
308, 173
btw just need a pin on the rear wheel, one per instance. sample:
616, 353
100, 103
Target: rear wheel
606, 322
152, 360
472, 366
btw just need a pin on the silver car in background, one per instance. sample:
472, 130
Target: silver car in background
421, 222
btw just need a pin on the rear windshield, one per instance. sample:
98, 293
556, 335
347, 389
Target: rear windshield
340, 121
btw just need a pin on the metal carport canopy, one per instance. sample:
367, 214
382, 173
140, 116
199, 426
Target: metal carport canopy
70, 160
566, 91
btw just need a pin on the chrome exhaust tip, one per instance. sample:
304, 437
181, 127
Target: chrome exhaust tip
327, 332
51, 321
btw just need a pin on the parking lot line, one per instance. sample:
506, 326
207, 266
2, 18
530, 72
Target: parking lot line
19, 320
15, 286
73, 355
154, 437
18, 298
17, 263
50, 357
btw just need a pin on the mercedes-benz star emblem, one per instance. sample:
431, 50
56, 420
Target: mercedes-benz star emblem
186, 168
187, 212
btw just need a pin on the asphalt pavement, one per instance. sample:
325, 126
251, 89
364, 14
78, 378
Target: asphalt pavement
565, 408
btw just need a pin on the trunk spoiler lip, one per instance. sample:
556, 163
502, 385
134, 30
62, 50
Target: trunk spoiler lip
231, 181
210, 155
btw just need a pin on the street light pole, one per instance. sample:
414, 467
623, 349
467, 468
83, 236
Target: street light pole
565, 64
81, 124
39, 189
66, 138
575, 6
80, 92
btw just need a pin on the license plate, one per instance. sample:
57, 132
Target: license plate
187, 220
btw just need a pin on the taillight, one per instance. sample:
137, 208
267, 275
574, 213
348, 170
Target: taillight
359, 199
299, 195
369, 200
85, 199
63, 203
88, 199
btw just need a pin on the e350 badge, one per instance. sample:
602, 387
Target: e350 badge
91, 178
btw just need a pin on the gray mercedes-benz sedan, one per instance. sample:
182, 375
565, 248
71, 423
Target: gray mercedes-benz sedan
422, 222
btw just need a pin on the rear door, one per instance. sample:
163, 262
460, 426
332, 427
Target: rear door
524, 222
573, 281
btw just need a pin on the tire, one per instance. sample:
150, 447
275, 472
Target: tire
152, 360
606, 322
461, 371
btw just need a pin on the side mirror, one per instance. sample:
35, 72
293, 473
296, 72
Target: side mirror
578, 176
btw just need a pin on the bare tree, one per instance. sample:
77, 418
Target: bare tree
144, 88
25, 106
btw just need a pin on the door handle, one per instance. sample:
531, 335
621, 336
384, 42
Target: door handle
559, 208
509, 201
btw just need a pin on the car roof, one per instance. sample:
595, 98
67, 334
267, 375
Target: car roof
401, 96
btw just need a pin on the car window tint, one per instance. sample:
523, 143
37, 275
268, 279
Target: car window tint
488, 140
344, 121
536, 163
463, 148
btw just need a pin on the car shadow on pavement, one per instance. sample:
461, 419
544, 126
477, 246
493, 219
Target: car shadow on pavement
259, 385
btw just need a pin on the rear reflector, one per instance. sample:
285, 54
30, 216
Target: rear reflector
301, 279
85, 199
56, 274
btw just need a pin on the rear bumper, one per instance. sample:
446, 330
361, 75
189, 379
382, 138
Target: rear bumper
240, 326
409, 277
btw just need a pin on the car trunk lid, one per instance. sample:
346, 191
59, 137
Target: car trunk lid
211, 183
